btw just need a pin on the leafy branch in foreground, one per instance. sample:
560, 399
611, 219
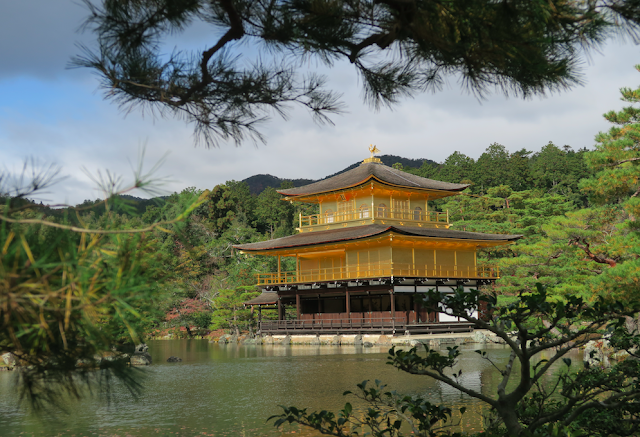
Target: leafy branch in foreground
71, 294
525, 402
397, 47
386, 413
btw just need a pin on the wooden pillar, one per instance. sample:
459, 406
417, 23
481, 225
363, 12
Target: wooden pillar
280, 310
278, 269
348, 301
392, 297
259, 319
369, 295
298, 308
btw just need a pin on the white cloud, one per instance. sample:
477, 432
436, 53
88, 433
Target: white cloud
56, 116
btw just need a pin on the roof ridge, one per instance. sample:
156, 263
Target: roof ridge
399, 175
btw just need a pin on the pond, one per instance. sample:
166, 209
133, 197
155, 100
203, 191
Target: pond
230, 390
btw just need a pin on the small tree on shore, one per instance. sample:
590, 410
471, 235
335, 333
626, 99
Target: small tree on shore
229, 310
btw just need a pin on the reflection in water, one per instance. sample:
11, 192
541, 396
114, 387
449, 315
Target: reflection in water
230, 390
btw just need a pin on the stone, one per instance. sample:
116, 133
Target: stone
286, 340
479, 337
315, 341
434, 344
596, 353
174, 359
9, 359
140, 359
367, 344
267, 339
141, 348
357, 341
383, 340
621, 355
97, 359
336, 340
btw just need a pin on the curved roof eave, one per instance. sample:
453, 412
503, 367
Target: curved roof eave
362, 232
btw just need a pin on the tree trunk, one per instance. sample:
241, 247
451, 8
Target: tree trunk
510, 418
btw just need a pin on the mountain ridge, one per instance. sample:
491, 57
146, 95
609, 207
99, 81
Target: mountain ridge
260, 182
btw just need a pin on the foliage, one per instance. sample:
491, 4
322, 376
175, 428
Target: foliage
617, 159
552, 170
592, 251
529, 326
71, 293
274, 215
230, 312
529, 48
387, 412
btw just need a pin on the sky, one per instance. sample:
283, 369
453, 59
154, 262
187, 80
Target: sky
55, 115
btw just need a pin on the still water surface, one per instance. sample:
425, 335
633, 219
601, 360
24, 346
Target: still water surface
230, 390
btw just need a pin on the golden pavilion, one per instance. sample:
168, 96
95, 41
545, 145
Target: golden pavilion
362, 262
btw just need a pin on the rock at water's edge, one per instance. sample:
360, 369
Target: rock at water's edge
141, 348
140, 359
383, 340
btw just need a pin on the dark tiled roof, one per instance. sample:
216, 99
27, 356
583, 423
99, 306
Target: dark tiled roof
363, 173
359, 232
267, 297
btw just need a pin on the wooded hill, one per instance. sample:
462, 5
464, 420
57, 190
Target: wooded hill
260, 182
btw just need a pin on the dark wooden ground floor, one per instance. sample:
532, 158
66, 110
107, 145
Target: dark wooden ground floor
378, 309
386, 305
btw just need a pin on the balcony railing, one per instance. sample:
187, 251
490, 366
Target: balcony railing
380, 213
333, 324
375, 270
363, 324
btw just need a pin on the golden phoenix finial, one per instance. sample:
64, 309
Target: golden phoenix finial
373, 149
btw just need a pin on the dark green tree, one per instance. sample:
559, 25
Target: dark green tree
592, 251
519, 171
230, 312
492, 168
456, 168
274, 216
518, 47
558, 170
616, 160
